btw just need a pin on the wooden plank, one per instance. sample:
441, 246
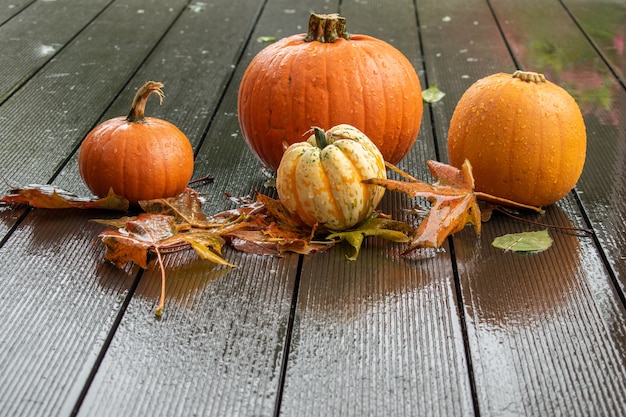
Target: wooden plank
218, 349
63, 102
216, 352
11, 9
58, 300
564, 55
382, 332
604, 23
32, 39
59, 297
545, 331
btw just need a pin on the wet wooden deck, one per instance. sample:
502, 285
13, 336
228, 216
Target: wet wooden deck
470, 331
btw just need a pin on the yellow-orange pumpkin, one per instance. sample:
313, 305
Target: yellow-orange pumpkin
140, 158
325, 78
524, 136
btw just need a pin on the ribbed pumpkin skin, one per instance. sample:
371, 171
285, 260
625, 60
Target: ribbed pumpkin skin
140, 161
293, 85
323, 186
526, 140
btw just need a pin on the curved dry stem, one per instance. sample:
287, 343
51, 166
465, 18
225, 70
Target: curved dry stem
136, 113
504, 202
398, 171
550, 226
159, 310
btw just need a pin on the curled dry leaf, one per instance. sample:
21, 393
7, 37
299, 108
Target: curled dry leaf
269, 229
169, 225
50, 197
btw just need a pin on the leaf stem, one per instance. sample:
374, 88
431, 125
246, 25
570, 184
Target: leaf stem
159, 309
503, 201
550, 226
206, 179
398, 171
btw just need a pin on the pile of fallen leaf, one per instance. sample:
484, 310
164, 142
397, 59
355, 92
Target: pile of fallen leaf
262, 225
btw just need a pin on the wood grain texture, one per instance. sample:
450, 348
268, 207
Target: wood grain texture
10, 9
382, 332
604, 22
218, 349
564, 55
58, 300
537, 325
379, 333
78, 79
465, 330
34, 37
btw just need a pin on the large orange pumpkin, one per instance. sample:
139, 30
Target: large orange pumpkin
524, 136
326, 78
140, 158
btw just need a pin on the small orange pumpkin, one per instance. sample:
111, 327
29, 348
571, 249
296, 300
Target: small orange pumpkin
140, 158
524, 136
325, 78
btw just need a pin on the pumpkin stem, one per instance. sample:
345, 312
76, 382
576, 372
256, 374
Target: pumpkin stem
529, 76
320, 138
326, 28
136, 113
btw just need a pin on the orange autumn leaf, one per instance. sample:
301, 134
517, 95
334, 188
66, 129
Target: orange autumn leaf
137, 238
141, 235
453, 203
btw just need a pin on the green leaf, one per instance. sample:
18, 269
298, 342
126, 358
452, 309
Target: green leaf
197, 7
392, 230
266, 39
207, 246
524, 242
432, 94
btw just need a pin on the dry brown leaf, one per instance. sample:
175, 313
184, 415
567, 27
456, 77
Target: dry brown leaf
51, 197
